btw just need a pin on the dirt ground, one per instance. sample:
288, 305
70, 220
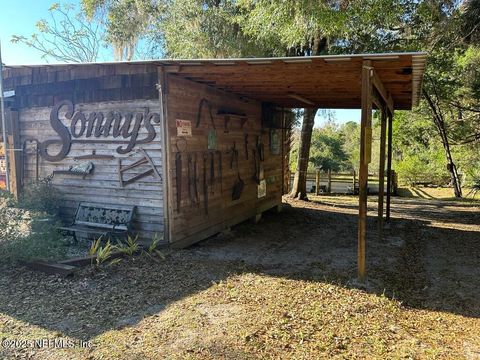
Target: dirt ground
283, 288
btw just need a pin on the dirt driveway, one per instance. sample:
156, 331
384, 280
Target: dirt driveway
284, 288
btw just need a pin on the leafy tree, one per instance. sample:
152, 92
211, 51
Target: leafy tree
327, 151
67, 36
126, 22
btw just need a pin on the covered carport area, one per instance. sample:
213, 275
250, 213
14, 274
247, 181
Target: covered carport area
382, 82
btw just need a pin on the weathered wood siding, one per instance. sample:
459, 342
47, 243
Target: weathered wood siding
191, 223
102, 185
93, 87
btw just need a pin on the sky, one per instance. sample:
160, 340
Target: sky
19, 17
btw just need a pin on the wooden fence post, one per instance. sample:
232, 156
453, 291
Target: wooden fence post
317, 182
354, 181
329, 186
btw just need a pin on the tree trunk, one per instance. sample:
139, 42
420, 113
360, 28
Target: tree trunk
299, 188
440, 124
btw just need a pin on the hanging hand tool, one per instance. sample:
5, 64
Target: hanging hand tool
233, 151
204, 102
256, 166
260, 149
220, 170
178, 174
212, 171
239, 184
205, 183
190, 178
195, 180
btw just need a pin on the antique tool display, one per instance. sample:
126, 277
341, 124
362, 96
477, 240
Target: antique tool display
212, 171
260, 148
220, 166
245, 142
256, 167
204, 102
239, 183
94, 156
205, 183
83, 169
192, 179
143, 161
227, 115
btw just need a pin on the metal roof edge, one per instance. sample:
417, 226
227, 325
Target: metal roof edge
418, 55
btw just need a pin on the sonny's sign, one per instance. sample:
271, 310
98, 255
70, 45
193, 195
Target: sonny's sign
98, 127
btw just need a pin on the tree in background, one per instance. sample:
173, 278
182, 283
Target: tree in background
327, 149
447, 29
296, 28
126, 22
68, 36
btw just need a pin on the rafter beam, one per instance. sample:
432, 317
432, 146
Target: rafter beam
387, 98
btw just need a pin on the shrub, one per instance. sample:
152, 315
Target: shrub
28, 229
26, 235
40, 196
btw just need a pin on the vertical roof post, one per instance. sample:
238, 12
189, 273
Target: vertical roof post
365, 158
4, 123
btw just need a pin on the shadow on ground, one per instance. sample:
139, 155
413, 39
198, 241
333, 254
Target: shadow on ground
428, 259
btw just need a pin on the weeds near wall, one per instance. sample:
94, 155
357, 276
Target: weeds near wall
130, 246
28, 228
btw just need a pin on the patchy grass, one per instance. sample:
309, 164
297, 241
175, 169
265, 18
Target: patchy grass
287, 295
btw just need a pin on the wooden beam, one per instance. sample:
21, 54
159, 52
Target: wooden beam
389, 165
383, 93
365, 154
381, 170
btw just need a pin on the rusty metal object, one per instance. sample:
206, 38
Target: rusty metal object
205, 183
245, 140
220, 168
146, 159
94, 156
204, 102
212, 171
97, 125
83, 169
239, 183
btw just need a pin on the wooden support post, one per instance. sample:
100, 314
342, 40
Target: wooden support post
389, 165
14, 153
329, 186
365, 155
381, 171
317, 182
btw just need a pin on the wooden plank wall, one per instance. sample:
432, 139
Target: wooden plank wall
102, 186
191, 223
122, 88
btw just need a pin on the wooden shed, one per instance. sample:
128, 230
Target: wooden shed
195, 145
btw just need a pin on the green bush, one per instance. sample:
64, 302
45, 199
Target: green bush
40, 196
28, 229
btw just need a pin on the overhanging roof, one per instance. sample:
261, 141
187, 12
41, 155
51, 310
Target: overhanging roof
332, 81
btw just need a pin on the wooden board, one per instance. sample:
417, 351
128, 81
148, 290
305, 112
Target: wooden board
102, 185
191, 222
